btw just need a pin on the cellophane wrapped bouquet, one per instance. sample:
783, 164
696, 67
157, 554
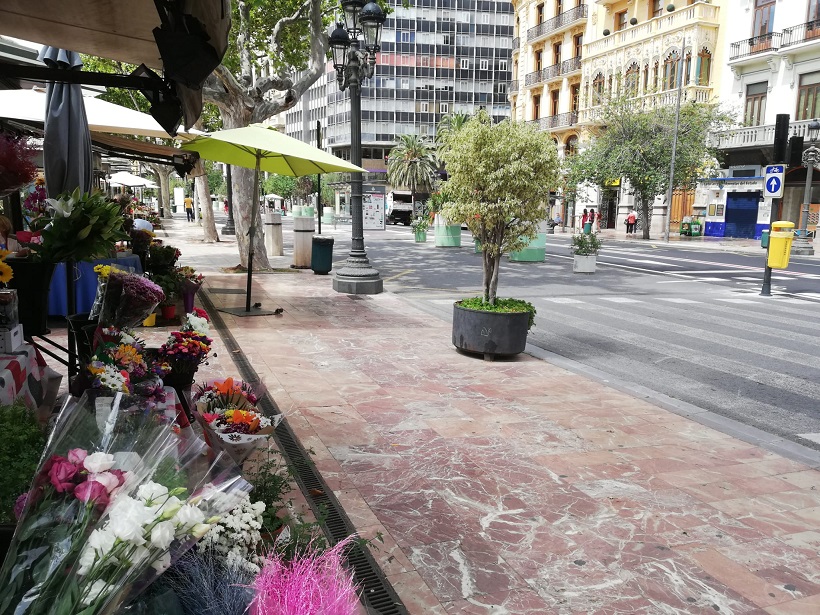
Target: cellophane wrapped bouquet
102, 271
129, 299
187, 349
227, 411
118, 497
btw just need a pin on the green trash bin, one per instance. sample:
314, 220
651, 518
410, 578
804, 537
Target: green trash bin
587, 228
764, 239
321, 256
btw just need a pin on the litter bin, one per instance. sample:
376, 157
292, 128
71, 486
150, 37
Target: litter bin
321, 258
764, 239
587, 228
780, 244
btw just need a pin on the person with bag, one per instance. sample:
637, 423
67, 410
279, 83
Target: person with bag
631, 221
589, 218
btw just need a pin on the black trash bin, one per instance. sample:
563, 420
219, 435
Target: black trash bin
321, 256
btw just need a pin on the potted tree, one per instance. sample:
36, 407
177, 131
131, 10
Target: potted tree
420, 226
585, 252
500, 177
412, 164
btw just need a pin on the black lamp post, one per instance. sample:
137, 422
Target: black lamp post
811, 157
352, 66
229, 228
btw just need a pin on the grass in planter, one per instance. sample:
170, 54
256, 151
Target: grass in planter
501, 305
22, 441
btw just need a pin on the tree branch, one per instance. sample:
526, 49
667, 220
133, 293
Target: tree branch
298, 15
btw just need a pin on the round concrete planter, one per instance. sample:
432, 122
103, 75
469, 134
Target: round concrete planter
584, 263
448, 235
490, 333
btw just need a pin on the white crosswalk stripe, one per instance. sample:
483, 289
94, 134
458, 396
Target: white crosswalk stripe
735, 300
621, 300
678, 300
561, 300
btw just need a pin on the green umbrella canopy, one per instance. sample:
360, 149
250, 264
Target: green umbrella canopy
278, 153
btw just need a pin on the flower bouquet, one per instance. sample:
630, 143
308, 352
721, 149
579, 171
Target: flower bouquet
129, 298
162, 259
189, 284
118, 497
231, 421
102, 271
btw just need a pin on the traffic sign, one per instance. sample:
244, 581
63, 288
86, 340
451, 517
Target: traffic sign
773, 182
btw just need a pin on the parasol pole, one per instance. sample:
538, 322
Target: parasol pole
251, 230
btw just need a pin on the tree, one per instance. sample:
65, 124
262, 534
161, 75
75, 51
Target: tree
637, 145
413, 165
449, 125
290, 38
500, 177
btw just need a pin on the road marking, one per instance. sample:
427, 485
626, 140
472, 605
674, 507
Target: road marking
561, 300
398, 275
746, 279
442, 301
812, 437
625, 299
737, 300
641, 260
677, 300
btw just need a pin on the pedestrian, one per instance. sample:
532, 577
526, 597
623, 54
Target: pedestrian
588, 219
631, 220
598, 221
584, 217
189, 208
225, 201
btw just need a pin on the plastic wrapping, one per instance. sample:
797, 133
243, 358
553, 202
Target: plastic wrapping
128, 300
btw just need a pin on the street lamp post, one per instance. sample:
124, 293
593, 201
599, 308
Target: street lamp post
229, 228
357, 276
811, 157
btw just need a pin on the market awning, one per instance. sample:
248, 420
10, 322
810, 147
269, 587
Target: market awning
146, 152
124, 178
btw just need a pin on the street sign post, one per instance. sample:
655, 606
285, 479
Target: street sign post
773, 183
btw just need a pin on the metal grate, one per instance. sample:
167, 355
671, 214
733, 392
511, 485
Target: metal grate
227, 291
376, 592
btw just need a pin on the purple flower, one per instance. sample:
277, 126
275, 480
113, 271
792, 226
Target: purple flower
20, 504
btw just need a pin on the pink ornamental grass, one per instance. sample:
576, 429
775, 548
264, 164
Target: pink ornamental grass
312, 583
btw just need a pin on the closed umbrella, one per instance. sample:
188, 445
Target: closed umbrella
264, 148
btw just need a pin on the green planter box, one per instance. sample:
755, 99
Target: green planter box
477, 246
448, 236
421, 236
535, 252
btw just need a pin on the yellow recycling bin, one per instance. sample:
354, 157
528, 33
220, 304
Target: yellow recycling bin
780, 244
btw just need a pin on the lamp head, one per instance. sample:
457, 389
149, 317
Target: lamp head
371, 19
339, 42
351, 9
813, 130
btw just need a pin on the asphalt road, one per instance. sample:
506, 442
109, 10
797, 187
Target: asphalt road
680, 321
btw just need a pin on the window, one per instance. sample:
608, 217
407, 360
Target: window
571, 146
501, 88
539, 14
405, 37
559, 7
444, 108
425, 60
632, 80
502, 65
598, 90
646, 78
764, 17
484, 64
808, 101
687, 69
704, 67
575, 96
536, 107
424, 107
814, 10
465, 63
538, 65
670, 71
556, 53
448, 39
405, 60
485, 18
656, 8
755, 104
554, 97
620, 21
578, 44
405, 84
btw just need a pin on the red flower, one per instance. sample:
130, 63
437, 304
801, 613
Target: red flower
92, 491
61, 475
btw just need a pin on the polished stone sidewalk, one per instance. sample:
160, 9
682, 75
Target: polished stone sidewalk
518, 487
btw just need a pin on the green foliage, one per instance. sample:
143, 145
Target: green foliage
169, 283
133, 99
216, 181
283, 185
448, 126
85, 227
637, 145
21, 445
421, 223
585, 245
500, 180
412, 164
162, 259
500, 305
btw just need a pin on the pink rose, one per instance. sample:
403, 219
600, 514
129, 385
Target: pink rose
20, 504
109, 480
77, 455
62, 475
92, 491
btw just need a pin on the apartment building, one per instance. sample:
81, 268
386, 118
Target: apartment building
773, 59
437, 57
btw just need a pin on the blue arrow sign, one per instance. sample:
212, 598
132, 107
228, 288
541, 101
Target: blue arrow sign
773, 185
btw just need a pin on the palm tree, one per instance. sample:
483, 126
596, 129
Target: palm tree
412, 164
449, 125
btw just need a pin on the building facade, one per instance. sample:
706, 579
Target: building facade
773, 67
437, 57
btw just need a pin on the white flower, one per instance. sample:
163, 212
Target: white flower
95, 591
200, 529
101, 541
87, 559
127, 518
170, 507
110, 481
197, 324
188, 516
98, 462
163, 563
162, 535
61, 208
137, 556
127, 529
151, 492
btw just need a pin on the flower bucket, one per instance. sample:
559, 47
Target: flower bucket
421, 236
188, 301
151, 321
168, 311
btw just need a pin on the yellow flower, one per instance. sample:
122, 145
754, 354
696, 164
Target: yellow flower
4, 254
6, 272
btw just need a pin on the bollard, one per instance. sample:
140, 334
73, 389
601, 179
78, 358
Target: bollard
273, 233
303, 227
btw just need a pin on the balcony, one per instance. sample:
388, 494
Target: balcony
533, 78
557, 23
571, 65
755, 136
562, 120
516, 44
699, 13
553, 72
645, 102
512, 87
754, 46
803, 33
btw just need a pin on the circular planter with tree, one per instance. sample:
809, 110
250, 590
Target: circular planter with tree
499, 180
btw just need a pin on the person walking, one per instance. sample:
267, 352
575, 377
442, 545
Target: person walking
584, 219
189, 208
631, 220
588, 219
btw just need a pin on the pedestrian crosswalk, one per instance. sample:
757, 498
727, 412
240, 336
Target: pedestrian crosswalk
748, 298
